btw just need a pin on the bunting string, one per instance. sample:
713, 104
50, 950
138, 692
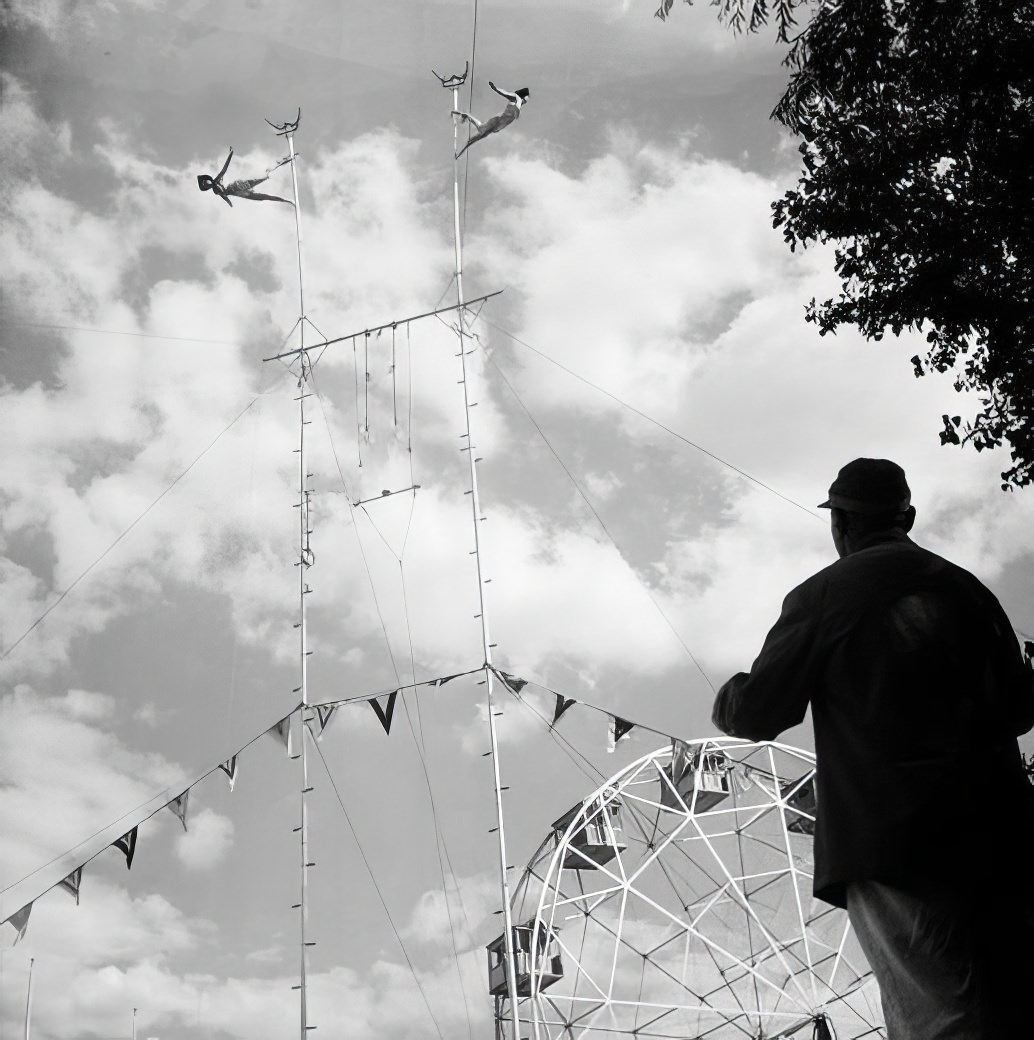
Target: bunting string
383, 702
178, 805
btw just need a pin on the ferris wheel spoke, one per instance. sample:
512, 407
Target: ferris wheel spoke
680, 982
795, 885
749, 912
675, 901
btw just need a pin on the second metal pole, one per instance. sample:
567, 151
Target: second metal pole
511, 969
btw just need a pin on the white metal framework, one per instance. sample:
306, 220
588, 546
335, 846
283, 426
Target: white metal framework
675, 902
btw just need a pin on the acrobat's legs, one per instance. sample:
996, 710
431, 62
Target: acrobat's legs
259, 197
468, 118
476, 137
242, 188
489, 126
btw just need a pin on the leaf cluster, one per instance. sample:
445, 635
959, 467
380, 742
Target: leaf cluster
916, 120
748, 15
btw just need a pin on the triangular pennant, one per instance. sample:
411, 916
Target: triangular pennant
282, 731
681, 759
562, 704
385, 713
179, 807
619, 729
445, 679
230, 769
127, 845
324, 713
512, 681
20, 920
72, 882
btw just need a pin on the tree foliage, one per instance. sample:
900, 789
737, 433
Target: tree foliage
916, 121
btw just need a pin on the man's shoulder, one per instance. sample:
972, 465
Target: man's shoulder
899, 562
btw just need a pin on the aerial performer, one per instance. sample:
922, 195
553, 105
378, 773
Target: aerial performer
515, 100
242, 189
914, 677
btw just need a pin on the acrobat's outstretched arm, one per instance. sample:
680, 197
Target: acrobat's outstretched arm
226, 165
509, 95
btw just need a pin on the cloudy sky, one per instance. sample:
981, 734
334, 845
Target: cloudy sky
656, 423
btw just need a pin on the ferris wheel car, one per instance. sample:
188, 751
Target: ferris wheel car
597, 840
548, 965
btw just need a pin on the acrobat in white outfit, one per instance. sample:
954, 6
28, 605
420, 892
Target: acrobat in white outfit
515, 100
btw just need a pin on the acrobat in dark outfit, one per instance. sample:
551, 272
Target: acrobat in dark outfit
512, 111
242, 189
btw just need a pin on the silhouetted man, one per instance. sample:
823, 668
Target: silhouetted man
925, 816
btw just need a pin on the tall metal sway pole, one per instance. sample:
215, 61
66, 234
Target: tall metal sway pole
511, 971
305, 559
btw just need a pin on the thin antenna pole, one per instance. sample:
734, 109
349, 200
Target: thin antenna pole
305, 559
28, 1002
486, 641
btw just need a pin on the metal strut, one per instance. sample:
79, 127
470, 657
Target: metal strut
453, 83
306, 558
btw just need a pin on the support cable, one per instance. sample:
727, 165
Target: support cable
83, 574
655, 422
599, 519
439, 843
9, 322
380, 894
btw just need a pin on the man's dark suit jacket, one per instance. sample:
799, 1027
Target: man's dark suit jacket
918, 690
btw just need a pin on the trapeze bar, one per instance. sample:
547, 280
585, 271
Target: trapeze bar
385, 494
387, 325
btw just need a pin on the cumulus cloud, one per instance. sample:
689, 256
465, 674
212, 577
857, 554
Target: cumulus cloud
455, 914
206, 841
138, 464
61, 762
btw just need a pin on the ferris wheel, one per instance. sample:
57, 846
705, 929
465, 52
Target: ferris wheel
675, 902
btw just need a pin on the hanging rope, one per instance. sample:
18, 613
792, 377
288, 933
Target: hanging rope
358, 424
366, 385
355, 527
394, 401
